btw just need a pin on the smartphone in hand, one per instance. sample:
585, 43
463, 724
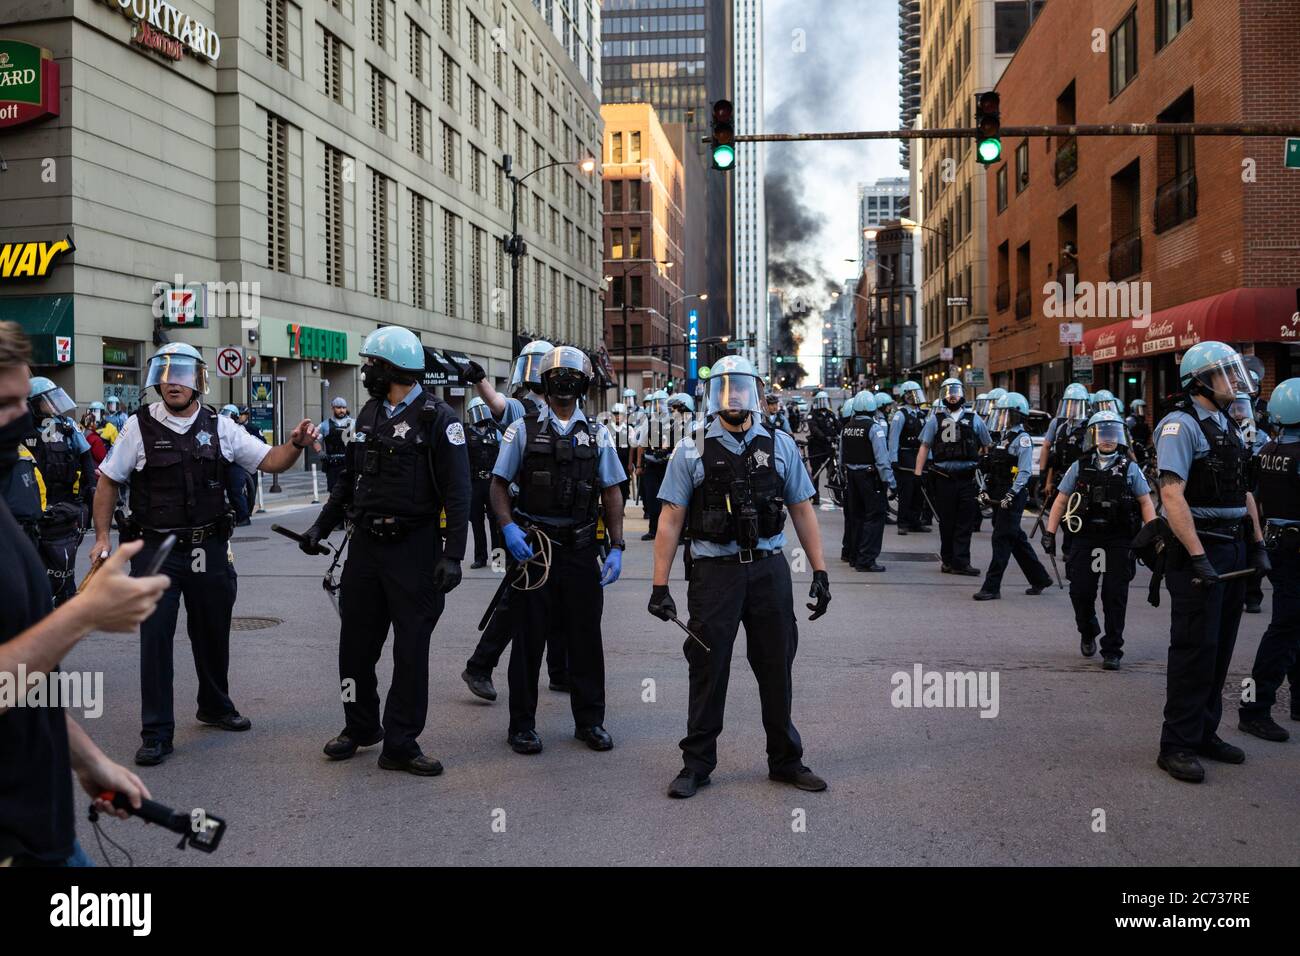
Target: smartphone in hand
160, 556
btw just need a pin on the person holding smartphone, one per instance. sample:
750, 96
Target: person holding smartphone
42, 747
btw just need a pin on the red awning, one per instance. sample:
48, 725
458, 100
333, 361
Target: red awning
1241, 315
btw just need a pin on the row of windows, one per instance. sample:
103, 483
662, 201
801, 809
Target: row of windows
610, 6
674, 24
652, 70
1170, 18
668, 46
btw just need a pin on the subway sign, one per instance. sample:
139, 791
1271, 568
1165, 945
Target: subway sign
29, 83
31, 260
321, 345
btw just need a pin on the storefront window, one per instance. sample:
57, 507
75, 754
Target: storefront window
122, 372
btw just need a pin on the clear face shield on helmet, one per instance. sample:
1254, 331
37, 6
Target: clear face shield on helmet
983, 406
952, 393
1106, 405
54, 402
1225, 378
177, 370
821, 401
1073, 409
1241, 411
733, 395
914, 397
527, 370
1002, 420
479, 413
1106, 437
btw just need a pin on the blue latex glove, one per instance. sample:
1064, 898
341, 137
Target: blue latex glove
612, 568
517, 542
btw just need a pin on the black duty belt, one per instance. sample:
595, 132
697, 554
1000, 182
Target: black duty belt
574, 536
744, 556
217, 529
1224, 528
1282, 538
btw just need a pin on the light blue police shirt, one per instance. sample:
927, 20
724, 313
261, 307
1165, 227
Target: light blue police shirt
391, 410
1137, 483
78, 441
686, 473
931, 431
516, 410
609, 470
879, 436
346, 423
118, 419
1021, 445
1180, 441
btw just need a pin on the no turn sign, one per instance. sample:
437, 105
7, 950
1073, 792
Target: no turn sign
230, 361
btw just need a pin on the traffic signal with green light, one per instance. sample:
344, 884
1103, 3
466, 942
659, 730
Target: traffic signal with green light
723, 143
988, 128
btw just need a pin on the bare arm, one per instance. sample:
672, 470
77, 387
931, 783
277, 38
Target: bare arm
105, 502
809, 531
1178, 514
281, 457
1043, 455
922, 455
499, 494
1054, 519
1253, 509
496, 402
671, 520
97, 773
612, 499
1148, 509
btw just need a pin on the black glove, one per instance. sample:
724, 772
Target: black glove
1203, 571
446, 575
1257, 555
473, 374
983, 500
1049, 543
821, 593
1007, 500
310, 543
661, 603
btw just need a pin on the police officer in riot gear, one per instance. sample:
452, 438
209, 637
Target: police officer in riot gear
1242, 413
869, 476
1007, 469
905, 427
1104, 400
174, 454
67, 467
336, 432
565, 467
847, 411
1063, 441
483, 438
823, 436
1103, 501
238, 481
624, 436
525, 386
775, 416
1139, 429
991, 400
951, 442
1279, 507
1205, 493
406, 465
113, 413
656, 447
731, 489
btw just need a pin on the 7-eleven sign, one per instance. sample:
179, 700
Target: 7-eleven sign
183, 306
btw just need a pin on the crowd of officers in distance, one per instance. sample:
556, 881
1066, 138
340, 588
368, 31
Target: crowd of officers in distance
544, 485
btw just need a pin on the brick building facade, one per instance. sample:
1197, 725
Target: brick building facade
1209, 230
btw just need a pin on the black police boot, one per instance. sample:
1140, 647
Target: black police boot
967, 572
479, 686
803, 778
1036, 589
902, 532
1181, 765
1109, 662
420, 765
345, 745
982, 595
685, 784
152, 752
478, 563
647, 536
873, 567
1221, 750
595, 737
1265, 728
1088, 639
1253, 607
232, 721
525, 742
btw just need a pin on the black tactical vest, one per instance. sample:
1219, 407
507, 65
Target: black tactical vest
558, 475
1067, 445
821, 428
856, 439
742, 498
183, 481
1221, 478
484, 441
335, 447
1279, 480
392, 464
909, 436
964, 447
658, 439
1107, 505
999, 468
1139, 429
21, 492
55, 456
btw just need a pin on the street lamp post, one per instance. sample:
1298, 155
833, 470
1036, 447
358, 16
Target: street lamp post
515, 246
946, 234
627, 332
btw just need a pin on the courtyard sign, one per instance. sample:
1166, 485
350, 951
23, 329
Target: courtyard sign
164, 29
29, 83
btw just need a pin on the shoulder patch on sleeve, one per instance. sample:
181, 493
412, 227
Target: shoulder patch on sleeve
455, 434
1171, 428
1026, 441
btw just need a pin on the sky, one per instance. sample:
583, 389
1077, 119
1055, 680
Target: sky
829, 66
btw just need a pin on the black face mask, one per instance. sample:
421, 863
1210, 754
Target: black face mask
11, 437
565, 386
377, 378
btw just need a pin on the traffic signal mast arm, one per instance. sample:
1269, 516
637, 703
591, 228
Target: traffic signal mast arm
1020, 132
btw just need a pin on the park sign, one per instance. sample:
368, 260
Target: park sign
29, 83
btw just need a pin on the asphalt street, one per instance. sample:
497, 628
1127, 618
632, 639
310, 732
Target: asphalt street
1063, 774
